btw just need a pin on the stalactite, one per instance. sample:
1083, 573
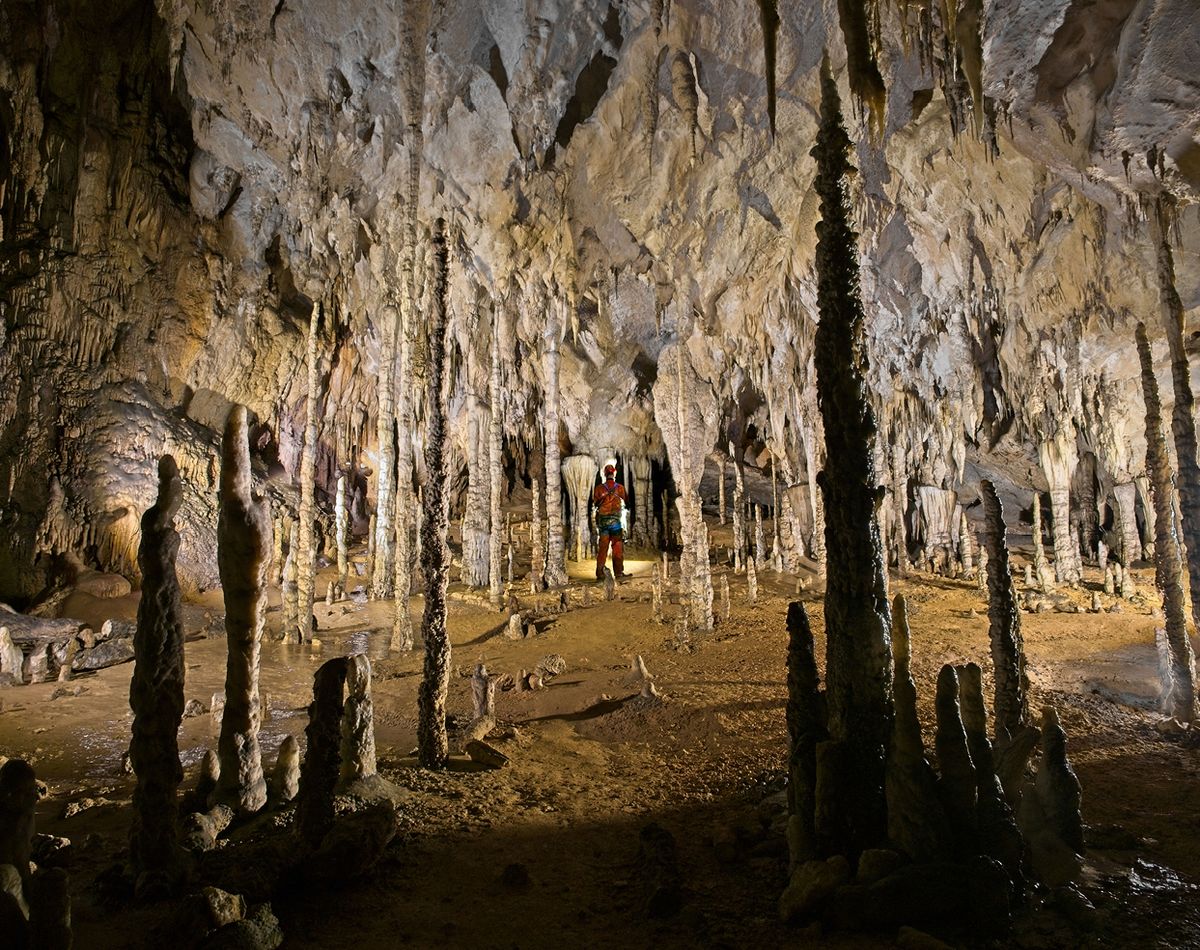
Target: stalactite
243, 556
857, 615
556, 570
432, 743
769, 12
306, 555
156, 694
495, 466
1183, 413
383, 566
1167, 561
865, 80
1004, 625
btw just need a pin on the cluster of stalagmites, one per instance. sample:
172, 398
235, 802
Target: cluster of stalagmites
338, 765
877, 837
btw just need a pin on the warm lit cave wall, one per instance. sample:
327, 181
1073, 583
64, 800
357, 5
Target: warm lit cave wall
183, 181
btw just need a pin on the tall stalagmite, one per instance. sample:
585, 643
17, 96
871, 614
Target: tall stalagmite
306, 553
556, 568
341, 528
806, 728
1183, 413
1004, 625
432, 744
156, 692
857, 616
1168, 565
243, 557
321, 767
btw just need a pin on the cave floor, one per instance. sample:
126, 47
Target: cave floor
591, 764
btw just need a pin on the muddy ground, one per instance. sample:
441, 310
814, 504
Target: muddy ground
542, 853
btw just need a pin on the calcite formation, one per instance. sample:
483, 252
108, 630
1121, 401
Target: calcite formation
244, 553
156, 693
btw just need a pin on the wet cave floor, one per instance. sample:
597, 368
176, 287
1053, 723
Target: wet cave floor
542, 853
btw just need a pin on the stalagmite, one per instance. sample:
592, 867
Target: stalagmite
851, 810
483, 696
537, 556
1183, 411
1043, 577
579, 473
383, 565
957, 782
556, 569
751, 582
1058, 789
1167, 559
495, 465
725, 606
638, 469
760, 541
289, 593
306, 555
18, 799
322, 756
1004, 625
277, 551
610, 584
1131, 544
432, 744
358, 723
50, 910
806, 728
370, 549
982, 576
966, 551
156, 694
656, 596
341, 522
243, 554
285, 779
722, 504
739, 528
476, 521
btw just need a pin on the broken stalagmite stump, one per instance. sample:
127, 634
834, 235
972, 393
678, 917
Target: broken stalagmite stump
916, 820
358, 723
806, 728
322, 758
156, 695
243, 557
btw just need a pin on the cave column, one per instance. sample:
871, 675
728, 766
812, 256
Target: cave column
432, 743
1131, 542
341, 527
495, 460
476, 540
556, 569
579, 473
306, 555
1181, 691
739, 511
383, 566
1183, 413
1058, 457
643, 500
